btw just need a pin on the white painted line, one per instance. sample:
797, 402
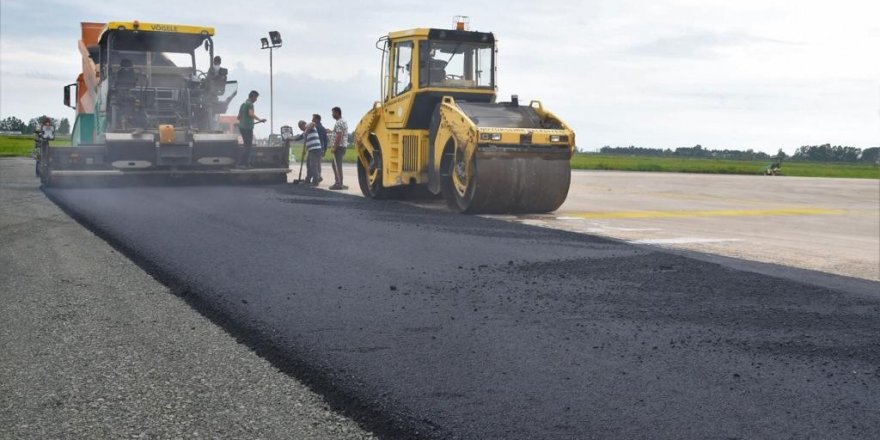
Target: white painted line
609, 228
683, 240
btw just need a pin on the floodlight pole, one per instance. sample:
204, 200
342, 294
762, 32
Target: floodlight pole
271, 43
271, 96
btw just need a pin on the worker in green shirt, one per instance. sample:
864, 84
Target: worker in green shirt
246, 120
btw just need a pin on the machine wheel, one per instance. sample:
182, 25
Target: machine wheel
370, 178
38, 155
460, 181
43, 168
46, 176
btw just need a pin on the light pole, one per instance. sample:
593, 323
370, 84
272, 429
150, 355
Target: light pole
273, 42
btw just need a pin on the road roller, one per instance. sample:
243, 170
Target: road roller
438, 127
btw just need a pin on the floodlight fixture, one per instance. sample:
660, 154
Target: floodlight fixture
273, 42
275, 37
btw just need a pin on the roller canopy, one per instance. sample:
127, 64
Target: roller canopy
500, 115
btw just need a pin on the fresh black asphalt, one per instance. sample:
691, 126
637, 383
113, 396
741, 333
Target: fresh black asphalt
429, 324
92, 347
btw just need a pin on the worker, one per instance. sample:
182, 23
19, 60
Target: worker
246, 120
337, 147
322, 133
312, 144
216, 78
433, 70
215, 67
125, 77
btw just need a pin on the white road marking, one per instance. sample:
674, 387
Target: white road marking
683, 240
611, 228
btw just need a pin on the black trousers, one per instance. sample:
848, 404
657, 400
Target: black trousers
247, 136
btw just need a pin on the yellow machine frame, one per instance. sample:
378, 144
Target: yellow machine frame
158, 27
407, 156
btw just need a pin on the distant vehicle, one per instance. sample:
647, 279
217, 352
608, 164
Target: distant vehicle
775, 167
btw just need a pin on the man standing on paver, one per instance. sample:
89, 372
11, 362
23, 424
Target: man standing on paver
338, 145
246, 119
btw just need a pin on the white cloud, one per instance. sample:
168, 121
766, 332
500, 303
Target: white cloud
758, 74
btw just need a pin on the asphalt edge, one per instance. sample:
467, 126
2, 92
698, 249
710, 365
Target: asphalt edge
316, 380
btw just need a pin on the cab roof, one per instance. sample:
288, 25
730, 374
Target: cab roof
137, 36
443, 34
158, 27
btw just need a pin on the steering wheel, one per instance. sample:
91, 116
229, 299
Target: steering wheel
201, 75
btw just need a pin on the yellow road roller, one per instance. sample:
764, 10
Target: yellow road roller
438, 126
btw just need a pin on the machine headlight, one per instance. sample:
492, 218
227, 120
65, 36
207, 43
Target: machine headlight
490, 136
558, 138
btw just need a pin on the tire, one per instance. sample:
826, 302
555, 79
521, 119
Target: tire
459, 182
43, 170
38, 159
370, 179
46, 177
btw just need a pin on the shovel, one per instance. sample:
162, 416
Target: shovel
302, 159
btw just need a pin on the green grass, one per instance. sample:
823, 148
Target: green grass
11, 146
22, 145
717, 166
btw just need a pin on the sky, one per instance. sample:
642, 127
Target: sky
750, 74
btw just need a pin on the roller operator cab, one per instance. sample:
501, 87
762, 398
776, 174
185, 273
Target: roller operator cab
147, 102
438, 125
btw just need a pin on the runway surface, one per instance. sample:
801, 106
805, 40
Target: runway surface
429, 324
828, 225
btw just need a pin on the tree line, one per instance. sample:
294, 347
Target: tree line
816, 153
15, 125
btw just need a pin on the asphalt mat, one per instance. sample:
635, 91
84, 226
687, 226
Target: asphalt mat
427, 324
92, 347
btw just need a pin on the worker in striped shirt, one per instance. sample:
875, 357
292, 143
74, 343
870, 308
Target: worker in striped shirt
313, 146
